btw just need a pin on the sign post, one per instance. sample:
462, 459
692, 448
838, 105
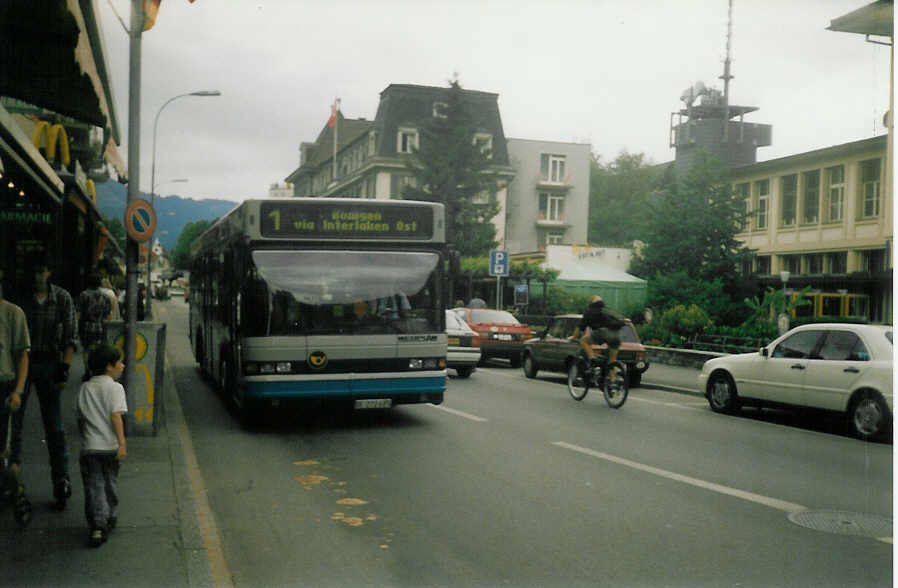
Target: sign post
499, 268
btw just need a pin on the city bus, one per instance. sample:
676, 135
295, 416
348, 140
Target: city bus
322, 300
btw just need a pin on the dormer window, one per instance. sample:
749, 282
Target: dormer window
485, 142
440, 109
406, 140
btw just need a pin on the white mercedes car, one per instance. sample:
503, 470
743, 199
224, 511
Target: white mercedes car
837, 367
463, 351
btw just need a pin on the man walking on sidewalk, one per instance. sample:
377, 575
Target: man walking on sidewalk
51, 323
14, 344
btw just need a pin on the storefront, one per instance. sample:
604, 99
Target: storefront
31, 197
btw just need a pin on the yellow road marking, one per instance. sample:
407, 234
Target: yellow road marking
221, 573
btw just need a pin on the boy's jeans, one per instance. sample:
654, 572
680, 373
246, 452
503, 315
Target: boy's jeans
99, 473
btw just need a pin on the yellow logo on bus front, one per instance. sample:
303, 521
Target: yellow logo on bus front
317, 360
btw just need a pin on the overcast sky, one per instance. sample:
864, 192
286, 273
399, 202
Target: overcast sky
603, 72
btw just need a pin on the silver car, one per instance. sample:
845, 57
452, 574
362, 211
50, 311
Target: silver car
837, 367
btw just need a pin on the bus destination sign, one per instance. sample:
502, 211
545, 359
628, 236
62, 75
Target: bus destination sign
329, 219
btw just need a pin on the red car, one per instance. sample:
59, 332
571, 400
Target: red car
501, 335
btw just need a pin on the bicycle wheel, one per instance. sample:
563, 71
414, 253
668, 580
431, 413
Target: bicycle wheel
577, 384
616, 389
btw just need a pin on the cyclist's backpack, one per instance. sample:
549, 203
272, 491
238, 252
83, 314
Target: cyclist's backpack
611, 319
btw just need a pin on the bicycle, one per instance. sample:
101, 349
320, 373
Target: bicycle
582, 376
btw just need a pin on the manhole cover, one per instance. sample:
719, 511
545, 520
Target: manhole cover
844, 523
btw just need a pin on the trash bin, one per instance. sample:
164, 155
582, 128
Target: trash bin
145, 395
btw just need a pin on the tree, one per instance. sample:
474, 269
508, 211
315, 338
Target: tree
180, 255
449, 167
692, 228
619, 196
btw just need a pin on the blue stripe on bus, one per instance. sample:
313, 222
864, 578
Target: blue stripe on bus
378, 387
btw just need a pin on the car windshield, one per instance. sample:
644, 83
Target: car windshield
500, 317
333, 292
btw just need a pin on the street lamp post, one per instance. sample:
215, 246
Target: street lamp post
783, 322
150, 248
153, 177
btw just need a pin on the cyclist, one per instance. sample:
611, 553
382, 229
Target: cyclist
604, 327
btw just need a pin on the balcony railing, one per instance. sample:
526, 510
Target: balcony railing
563, 184
541, 221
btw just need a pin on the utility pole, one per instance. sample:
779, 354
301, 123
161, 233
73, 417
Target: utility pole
131, 249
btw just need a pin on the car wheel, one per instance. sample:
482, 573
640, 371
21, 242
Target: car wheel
515, 361
722, 393
530, 368
635, 378
868, 416
464, 372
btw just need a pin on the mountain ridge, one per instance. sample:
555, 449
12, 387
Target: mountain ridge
172, 212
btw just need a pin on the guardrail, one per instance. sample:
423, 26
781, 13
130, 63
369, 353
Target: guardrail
725, 343
680, 357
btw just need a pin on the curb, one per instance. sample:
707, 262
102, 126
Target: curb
669, 388
194, 555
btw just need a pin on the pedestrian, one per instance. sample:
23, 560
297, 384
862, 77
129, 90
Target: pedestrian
51, 324
93, 309
141, 301
14, 345
101, 404
107, 289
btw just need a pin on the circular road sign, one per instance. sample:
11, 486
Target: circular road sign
140, 220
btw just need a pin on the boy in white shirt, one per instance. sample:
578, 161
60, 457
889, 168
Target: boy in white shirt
101, 403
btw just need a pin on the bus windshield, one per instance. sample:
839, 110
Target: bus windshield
302, 292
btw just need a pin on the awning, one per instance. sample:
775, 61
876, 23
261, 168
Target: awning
53, 57
872, 19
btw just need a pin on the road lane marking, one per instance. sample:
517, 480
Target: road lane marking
465, 415
783, 505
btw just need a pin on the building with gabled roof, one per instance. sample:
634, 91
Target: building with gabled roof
371, 156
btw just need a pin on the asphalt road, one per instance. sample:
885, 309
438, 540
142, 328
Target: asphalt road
511, 482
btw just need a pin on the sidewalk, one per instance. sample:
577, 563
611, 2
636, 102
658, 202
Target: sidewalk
157, 541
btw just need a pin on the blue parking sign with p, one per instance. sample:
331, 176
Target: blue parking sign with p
499, 263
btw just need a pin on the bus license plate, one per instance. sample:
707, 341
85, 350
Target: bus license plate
366, 403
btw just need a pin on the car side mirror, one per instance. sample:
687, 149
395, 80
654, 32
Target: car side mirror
763, 351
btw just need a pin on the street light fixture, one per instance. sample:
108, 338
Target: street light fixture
201, 93
149, 291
